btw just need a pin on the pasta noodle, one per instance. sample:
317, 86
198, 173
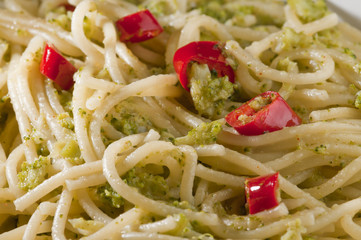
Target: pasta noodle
127, 153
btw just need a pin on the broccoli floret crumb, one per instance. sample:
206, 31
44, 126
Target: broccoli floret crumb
70, 149
208, 91
152, 186
129, 121
289, 40
109, 195
309, 10
161, 7
32, 174
205, 133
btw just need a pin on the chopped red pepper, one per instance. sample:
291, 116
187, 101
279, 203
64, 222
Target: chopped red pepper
262, 192
68, 7
138, 27
54, 66
267, 112
203, 52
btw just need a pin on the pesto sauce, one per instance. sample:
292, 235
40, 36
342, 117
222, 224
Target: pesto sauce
128, 121
216, 9
290, 40
152, 186
109, 195
32, 174
66, 121
161, 7
309, 10
205, 133
329, 38
208, 91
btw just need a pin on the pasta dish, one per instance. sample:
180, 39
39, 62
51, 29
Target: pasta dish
179, 119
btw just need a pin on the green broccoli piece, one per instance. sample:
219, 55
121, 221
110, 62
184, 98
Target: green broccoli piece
109, 195
70, 149
32, 174
309, 10
292, 40
152, 186
240, 14
329, 38
128, 121
131, 123
216, 9
66, 121
205, 133
161, 7
208, 91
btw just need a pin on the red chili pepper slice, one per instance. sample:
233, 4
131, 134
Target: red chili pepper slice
267, 112
54, 66
262, 192
138, 27
203, 52
68, 7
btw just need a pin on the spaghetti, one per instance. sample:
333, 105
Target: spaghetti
128, 153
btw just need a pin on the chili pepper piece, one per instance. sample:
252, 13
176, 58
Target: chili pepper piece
54, 66
267, 112
203, 52
138, 27
68, 7
262, 193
